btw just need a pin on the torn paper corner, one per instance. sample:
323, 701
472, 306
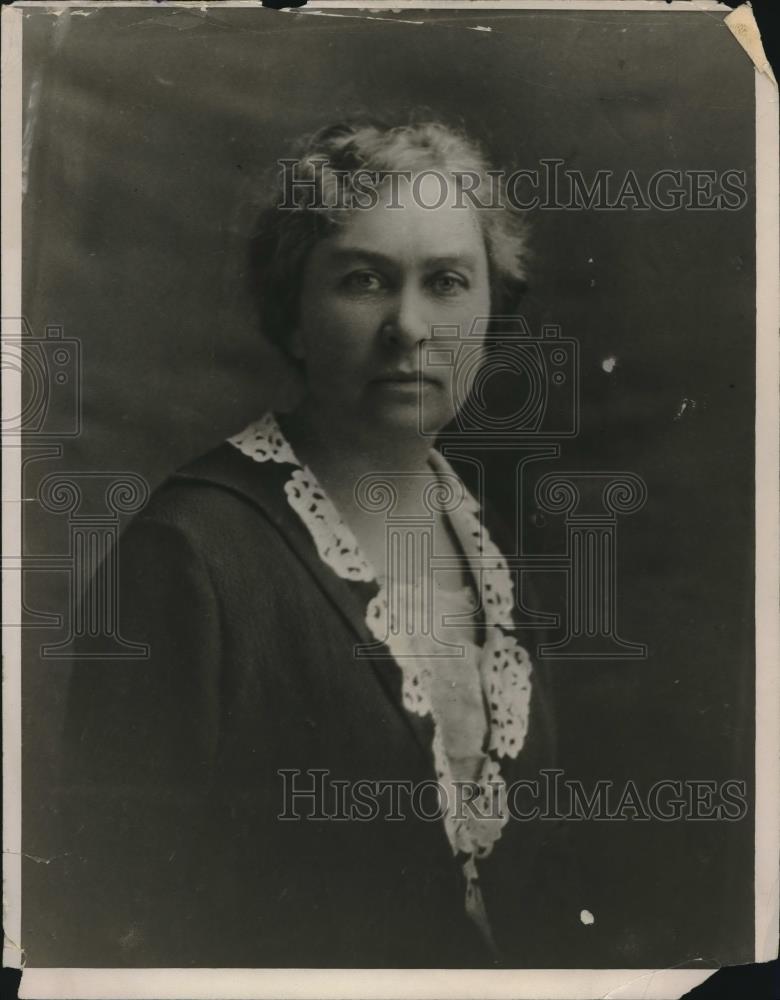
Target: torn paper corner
659, 982
13, 954
743, 27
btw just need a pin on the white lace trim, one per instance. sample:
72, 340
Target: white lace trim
335, 543
506, 669
505, 666
263, 441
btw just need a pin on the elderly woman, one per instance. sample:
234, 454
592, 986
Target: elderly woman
257, 791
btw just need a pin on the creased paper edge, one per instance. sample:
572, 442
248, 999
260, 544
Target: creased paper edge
742, 25
366, 984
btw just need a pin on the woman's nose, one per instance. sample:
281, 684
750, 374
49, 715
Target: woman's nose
406, 326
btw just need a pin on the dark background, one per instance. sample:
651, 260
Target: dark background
148, 132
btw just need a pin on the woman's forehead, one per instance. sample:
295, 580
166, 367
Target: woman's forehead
411, 231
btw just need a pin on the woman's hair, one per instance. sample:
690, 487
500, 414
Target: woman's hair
327, 167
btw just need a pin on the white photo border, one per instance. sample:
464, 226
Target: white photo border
561, 984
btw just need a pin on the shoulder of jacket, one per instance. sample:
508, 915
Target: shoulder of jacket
219, 491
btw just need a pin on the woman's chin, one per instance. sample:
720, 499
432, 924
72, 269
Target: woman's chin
416, 406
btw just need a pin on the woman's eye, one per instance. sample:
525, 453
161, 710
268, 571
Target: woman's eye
363, 281
448, 283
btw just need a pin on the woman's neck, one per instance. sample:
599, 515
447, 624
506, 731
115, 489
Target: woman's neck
341, 455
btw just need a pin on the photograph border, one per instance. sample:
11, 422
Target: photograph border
160, 984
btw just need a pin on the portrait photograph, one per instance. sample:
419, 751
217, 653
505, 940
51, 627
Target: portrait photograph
390, 450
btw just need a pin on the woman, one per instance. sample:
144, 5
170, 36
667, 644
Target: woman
297, 655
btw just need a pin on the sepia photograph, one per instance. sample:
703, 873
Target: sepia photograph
390, 452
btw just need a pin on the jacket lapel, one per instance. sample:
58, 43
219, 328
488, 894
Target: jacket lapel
262, 484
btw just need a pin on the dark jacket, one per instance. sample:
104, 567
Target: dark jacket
172, 790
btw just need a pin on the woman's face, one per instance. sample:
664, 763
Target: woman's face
372, 293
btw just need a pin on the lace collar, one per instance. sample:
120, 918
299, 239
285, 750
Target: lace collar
263, 441
505, 666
